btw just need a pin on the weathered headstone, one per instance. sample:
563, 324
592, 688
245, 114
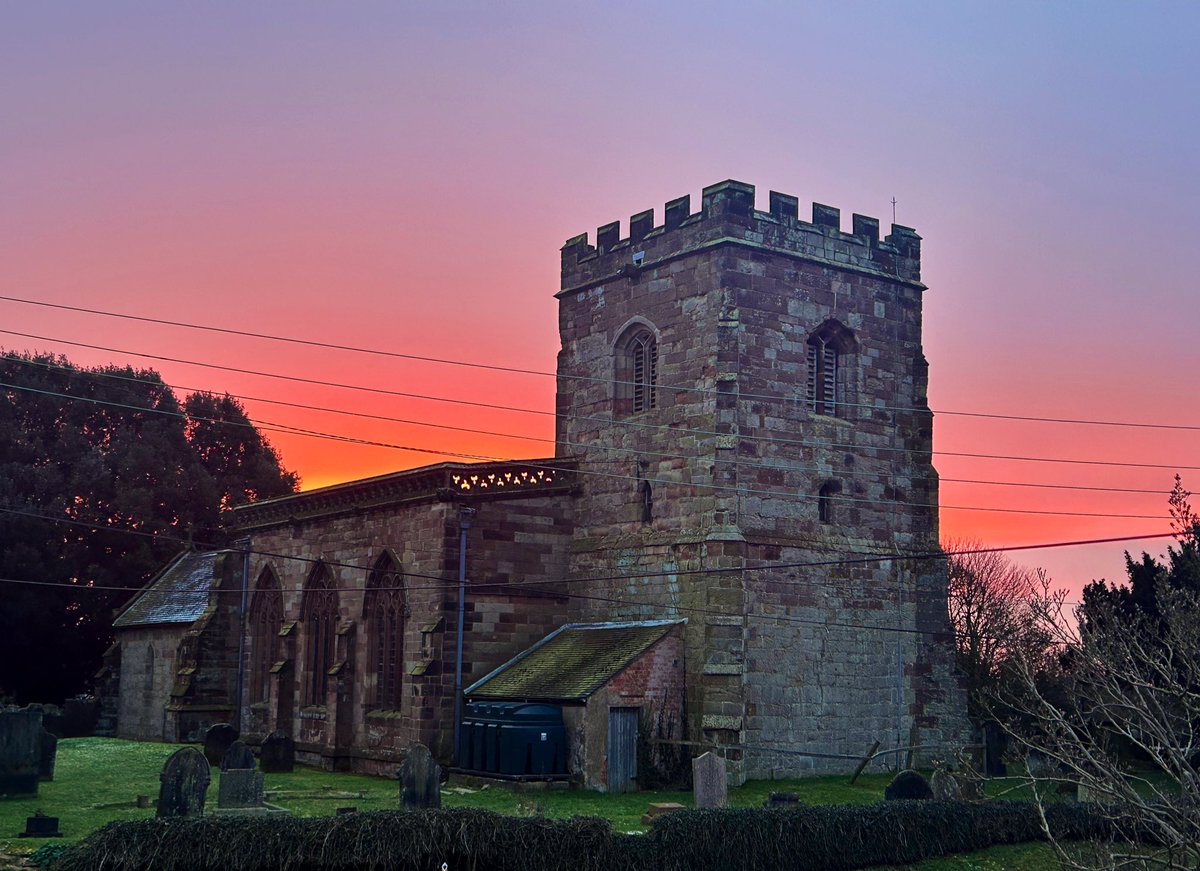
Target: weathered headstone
238, 756
278, 753
420, 780
40, 826
20, 752
217, 740
709, 783
240, 788
49, 754
185, 778
945, 786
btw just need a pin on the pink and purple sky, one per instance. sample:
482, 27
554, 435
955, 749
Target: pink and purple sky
401, 176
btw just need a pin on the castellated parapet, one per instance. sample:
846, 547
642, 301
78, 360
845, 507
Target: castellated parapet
727, 217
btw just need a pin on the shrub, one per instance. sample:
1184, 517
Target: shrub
799, 836
908, 785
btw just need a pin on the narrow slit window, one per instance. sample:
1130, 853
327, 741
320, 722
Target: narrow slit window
825, 499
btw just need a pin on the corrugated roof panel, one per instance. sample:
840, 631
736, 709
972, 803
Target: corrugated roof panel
178, 595
571, 663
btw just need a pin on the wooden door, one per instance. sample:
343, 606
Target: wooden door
622, 749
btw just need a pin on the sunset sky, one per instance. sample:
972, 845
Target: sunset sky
401, 176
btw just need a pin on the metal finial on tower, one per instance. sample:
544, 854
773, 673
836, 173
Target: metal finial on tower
893, 210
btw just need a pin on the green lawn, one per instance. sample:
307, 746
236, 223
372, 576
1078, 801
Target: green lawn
98, 780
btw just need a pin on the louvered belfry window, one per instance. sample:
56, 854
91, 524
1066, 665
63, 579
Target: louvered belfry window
320, 628
824, 381
385, 621
643, 354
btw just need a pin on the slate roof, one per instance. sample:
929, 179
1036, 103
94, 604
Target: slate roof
178, 595
572, 662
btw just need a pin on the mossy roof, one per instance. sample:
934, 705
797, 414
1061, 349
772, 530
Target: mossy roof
572, 662
178, 595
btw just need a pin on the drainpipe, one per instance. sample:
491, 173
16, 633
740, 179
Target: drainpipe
241, 668
464, 523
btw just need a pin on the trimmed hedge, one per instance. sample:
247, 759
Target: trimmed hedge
831, 837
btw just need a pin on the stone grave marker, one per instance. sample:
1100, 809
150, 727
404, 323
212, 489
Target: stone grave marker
49, 754
238, 756
185, 778
20, 753
40, 826
278, 753
240, 788
709, 783
420, 780
217, 740
945, 786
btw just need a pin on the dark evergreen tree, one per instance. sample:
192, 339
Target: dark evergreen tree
101, 474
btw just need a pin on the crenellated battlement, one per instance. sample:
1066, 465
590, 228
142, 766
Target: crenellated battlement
727, 216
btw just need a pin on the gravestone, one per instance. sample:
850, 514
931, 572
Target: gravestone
240, 788
49, 754
40, 826
945, 786
238, 756
20, 753
420, 780
782, 799
709, 783
278, 753
217, 740
185, 778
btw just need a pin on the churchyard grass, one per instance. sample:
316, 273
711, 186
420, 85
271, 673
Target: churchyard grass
98, 780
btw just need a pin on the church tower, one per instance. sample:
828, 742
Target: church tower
745, 393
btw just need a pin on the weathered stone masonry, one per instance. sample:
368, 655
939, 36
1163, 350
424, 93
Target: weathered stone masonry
738, 459
743, 442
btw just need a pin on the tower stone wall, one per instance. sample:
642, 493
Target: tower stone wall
778, 491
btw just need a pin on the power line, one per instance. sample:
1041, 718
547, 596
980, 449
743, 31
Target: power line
447, 361
610, 422
521, 371
856, 559
611, 449
270, 426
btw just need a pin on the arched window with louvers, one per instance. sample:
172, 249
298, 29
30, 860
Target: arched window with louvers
831, 371
635, 369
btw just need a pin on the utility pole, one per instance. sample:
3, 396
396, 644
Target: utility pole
465, 515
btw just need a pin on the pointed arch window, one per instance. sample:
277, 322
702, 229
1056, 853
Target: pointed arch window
385, 611
266, 619
829, 350
320, 615
636, 370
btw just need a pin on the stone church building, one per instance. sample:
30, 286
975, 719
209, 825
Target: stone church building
729, 547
